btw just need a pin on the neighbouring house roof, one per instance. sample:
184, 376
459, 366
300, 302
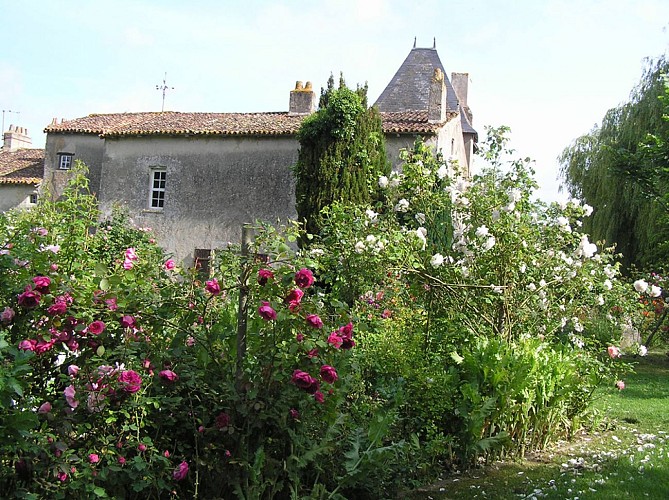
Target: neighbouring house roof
176, 123
21, 166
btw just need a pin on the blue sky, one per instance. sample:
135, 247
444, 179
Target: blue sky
548, 69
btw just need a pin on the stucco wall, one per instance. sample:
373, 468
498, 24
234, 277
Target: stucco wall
213, 186
87, 148
15, 196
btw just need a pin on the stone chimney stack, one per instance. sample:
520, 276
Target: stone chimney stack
16, 138
436, 106
302, 100
460, 83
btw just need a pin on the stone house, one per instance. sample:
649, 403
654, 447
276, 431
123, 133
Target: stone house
196, 178
21, 170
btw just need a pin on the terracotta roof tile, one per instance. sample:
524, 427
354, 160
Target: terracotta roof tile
174, 123
21, 166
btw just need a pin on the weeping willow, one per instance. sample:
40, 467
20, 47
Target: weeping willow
610, 169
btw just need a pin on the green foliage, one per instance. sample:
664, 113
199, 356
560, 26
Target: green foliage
342, 153
620, 169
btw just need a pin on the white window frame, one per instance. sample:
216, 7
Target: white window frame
65, 161
157, 191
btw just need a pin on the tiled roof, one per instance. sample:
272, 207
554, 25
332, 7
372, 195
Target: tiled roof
174, 123
21, 166
410, 122
409, 89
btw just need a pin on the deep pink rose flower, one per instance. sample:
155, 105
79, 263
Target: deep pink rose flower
44, 408
111, 304
180, 472
266, 312
130, 381
346, 334
97, 327
58, 307
305, 381
7, 315
264, 275
293, 299
42, 283
222, 420
213, 287
318, 396
27, 345
168, 376
314, 321
166, 453
329, 374
93, 458
304, 278
142, 448
312, 353
62, 476
130, 254
128, 264
43, 346
335, 340
299, 337
169, 264
128, 321
121, 460
294, 414
29, 299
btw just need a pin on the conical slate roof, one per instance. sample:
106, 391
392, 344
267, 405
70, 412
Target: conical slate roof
409, 90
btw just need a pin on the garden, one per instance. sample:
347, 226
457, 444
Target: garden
448, 324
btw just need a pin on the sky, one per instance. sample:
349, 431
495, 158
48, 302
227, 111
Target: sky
547, 69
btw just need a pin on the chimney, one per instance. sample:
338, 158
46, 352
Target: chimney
436, 106
16, 138
460, 83
302, 100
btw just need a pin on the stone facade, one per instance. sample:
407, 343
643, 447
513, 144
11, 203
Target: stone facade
21, 170
196, 178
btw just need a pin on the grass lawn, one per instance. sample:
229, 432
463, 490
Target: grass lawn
627, 458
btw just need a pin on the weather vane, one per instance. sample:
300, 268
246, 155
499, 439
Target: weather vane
164, 87
3, 117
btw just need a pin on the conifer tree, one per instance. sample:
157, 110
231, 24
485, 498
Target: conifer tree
342, 153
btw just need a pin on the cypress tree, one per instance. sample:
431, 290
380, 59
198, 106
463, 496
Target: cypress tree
342, 153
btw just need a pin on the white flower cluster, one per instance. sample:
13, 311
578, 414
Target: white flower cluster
371, 243
642, 286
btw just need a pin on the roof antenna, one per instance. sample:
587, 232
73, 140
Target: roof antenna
434, 43
164, 87
414, 42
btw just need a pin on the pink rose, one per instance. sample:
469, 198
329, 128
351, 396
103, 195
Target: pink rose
314, 321
130, 254
42, 283
304, 278
266, 312
142, 448
222, 420
29, 299
128, 264
62, 476
318, 396
72, 370
213, 287
93, 458
614, 352
111, 304
44, 408
128, 321
166, 454
130, 381
58, 307
44, 346
169, 264
180, 472
121, 460
299, 337
69, 394
620, 385
312, 353
305, 381
346, 334
27, 345
7, 315
329, 374
293, 299
264, 275
168, 376
335, 340
97, 327
294, 414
